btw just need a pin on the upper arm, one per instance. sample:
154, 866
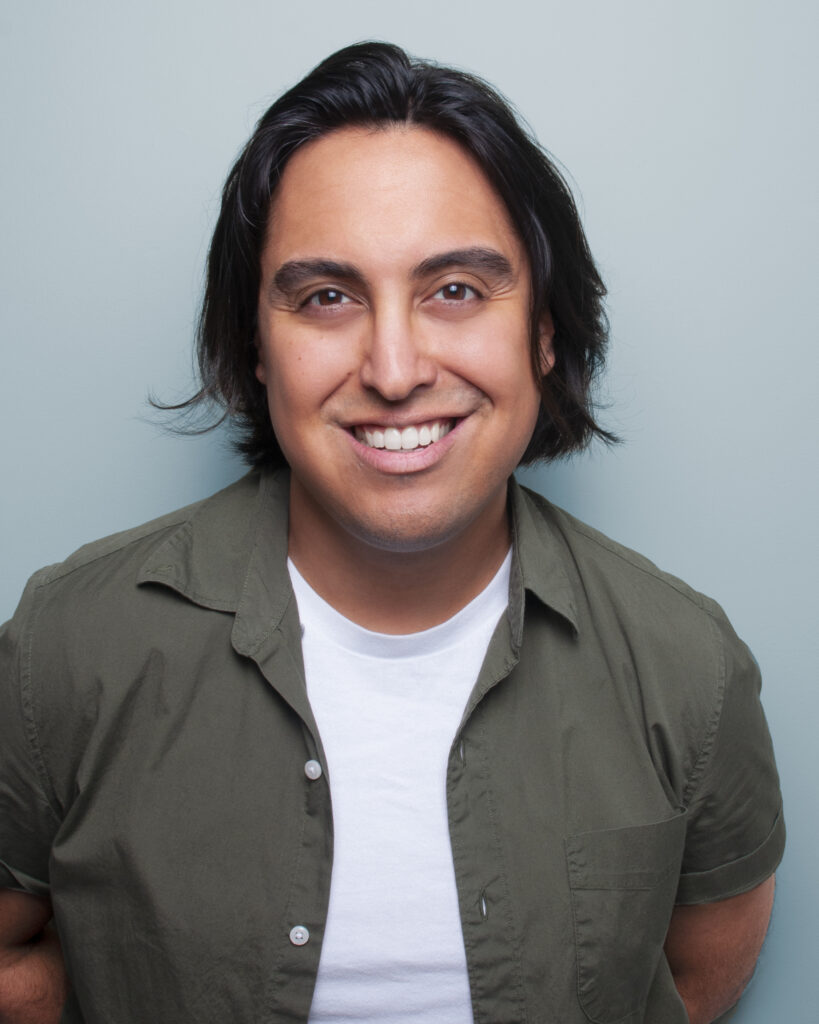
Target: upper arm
735, 831
712, 949
28, 819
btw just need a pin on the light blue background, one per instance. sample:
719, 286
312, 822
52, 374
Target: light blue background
689, 131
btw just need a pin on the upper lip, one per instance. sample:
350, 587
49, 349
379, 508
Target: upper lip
403, 421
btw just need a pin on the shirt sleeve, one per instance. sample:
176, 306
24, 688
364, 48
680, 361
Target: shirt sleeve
735, 830
28, 820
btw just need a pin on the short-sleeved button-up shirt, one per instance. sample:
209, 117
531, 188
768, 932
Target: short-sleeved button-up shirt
163, 780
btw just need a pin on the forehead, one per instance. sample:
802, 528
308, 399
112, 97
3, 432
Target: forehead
387, 194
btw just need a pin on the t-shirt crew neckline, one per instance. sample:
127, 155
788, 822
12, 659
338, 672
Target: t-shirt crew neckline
487, 606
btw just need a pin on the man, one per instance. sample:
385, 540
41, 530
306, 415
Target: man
375, 734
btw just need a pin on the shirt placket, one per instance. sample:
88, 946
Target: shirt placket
490, 930
300, 933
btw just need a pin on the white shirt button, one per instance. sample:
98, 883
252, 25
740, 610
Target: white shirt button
299, 935
312, 770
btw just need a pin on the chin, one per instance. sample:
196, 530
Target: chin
406, 533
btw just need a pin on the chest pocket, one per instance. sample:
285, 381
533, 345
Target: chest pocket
623, 884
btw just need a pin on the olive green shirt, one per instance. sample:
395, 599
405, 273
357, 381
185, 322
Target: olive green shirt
613, 759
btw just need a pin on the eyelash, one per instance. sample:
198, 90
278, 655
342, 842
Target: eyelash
460, 285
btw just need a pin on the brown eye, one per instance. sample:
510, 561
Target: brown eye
457, 292
328, 297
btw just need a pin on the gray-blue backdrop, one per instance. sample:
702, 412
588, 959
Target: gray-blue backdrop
689, 133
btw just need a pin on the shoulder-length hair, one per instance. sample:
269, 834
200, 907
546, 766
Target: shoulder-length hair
376, 84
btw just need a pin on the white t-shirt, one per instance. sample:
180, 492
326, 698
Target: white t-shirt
387, 708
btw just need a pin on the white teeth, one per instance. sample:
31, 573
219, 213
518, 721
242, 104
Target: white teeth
407, 440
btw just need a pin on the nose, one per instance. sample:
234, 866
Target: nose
397, 357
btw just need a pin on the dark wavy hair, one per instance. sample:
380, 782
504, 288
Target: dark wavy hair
376, 84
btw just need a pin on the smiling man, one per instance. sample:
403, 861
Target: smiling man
375, 733
394, 347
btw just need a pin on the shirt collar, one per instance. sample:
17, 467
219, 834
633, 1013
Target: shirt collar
540, 559
230, 555
232, 549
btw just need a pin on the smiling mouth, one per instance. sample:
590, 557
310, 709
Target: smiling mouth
406, 440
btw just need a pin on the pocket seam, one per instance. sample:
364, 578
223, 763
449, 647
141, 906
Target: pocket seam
583, 879
580, 1001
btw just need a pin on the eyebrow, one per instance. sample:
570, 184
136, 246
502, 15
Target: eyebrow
476, 258
295, 273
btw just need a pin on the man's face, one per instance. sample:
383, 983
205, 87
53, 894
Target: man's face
394, 327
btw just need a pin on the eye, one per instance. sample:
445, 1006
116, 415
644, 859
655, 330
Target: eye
457, 291
327, 298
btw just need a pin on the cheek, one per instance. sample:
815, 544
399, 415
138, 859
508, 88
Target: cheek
299, 380
508, 375
518, 391
527, 408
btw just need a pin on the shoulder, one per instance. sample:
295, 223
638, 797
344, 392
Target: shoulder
107, 562
93, 599
118, 549
665, 641
649, 646
602, 571
89, 630
114, 562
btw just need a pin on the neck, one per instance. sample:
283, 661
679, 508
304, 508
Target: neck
391, 591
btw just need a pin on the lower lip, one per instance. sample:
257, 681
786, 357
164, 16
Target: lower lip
401, 462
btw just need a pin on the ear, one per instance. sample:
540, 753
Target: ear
261, 369
546, 350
